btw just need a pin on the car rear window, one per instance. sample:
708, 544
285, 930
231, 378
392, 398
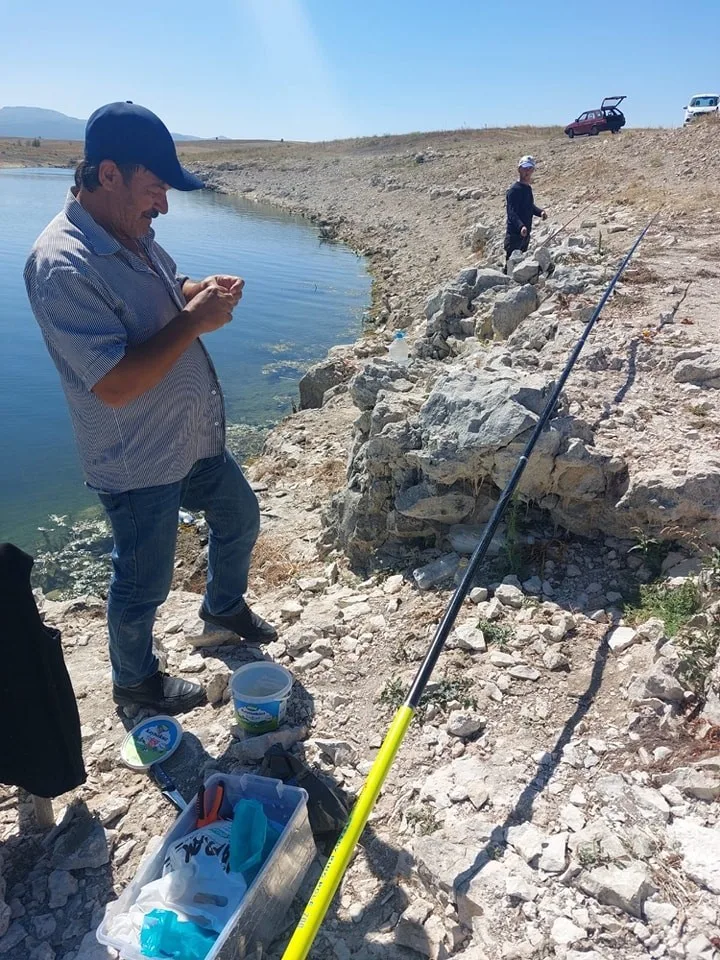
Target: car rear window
704, 102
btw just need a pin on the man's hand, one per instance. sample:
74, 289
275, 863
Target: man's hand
232, 285
523, 232
544, 215
212, 307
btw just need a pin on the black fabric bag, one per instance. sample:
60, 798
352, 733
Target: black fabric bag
327, 809
39, 722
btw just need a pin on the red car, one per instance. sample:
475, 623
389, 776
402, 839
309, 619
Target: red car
592, 122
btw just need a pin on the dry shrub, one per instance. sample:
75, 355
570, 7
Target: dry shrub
640, 273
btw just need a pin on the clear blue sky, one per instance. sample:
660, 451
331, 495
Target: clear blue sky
317, 69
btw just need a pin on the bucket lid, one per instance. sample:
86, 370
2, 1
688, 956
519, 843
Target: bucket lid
277, 680
151, 741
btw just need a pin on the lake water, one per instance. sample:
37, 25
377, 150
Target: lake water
301, 297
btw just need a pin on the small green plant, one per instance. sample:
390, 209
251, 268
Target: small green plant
652, 550
449, 690
711, 563
591, 854
499, 634
513, 550
673, 605
698, 649
423, 818
392, 694
444, 692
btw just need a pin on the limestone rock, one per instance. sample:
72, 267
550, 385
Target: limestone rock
555, 661
339, 752
254, 748
423, 502
90, 949
422, 932
527, 271
626, 887
461, 723
477, 236
700, 849
621, 638
291, 610
488, 884
554, 856
511, 308
320, 378
452, 300
489, 279
528, 841
658, 683
14, 936
374, 377
470, 638
711, 710
510, 596
463, 776
84, 846
699, 370
565, 933
700, 782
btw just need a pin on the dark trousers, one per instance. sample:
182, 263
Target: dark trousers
513, 241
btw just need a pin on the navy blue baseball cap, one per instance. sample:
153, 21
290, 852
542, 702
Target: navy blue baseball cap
128, 133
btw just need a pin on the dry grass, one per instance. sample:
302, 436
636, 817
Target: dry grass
330, 475
271, 567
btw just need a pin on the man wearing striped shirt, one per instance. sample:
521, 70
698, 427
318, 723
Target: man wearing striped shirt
123, 329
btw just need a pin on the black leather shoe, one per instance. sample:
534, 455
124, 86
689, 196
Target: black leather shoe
162, 693
245, 624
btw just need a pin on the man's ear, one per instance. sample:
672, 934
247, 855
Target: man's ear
109, 175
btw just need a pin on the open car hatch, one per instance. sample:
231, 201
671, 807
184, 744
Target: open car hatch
612, 102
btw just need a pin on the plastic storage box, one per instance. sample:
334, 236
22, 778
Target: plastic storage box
260, 915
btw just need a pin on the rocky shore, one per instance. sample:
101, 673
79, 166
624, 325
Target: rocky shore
559, 793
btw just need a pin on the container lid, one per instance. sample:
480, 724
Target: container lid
399, 335
151, 741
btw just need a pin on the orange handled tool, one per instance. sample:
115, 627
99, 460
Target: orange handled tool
205, 816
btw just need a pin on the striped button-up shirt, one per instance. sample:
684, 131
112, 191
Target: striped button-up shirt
93, 299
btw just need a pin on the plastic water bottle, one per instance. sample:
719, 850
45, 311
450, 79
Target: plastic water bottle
399, 349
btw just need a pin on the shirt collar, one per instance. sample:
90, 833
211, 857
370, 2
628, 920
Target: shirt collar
99, 240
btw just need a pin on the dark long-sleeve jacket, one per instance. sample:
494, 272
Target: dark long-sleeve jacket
520, 208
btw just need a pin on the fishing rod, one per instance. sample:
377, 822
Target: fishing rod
326, 887
574, 217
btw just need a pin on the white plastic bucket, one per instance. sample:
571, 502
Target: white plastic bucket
260, 693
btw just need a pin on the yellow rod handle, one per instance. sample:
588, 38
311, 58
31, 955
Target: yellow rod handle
326, 887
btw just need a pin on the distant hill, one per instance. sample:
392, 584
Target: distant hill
48, 124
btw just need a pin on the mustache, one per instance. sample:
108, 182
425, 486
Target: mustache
152, 214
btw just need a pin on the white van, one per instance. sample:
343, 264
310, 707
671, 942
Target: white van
700, 105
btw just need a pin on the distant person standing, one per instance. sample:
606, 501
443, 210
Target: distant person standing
521, 209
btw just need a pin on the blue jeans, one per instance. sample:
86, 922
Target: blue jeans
144, 525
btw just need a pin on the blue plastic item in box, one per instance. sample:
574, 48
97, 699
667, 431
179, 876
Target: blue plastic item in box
247, 837
164, 935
